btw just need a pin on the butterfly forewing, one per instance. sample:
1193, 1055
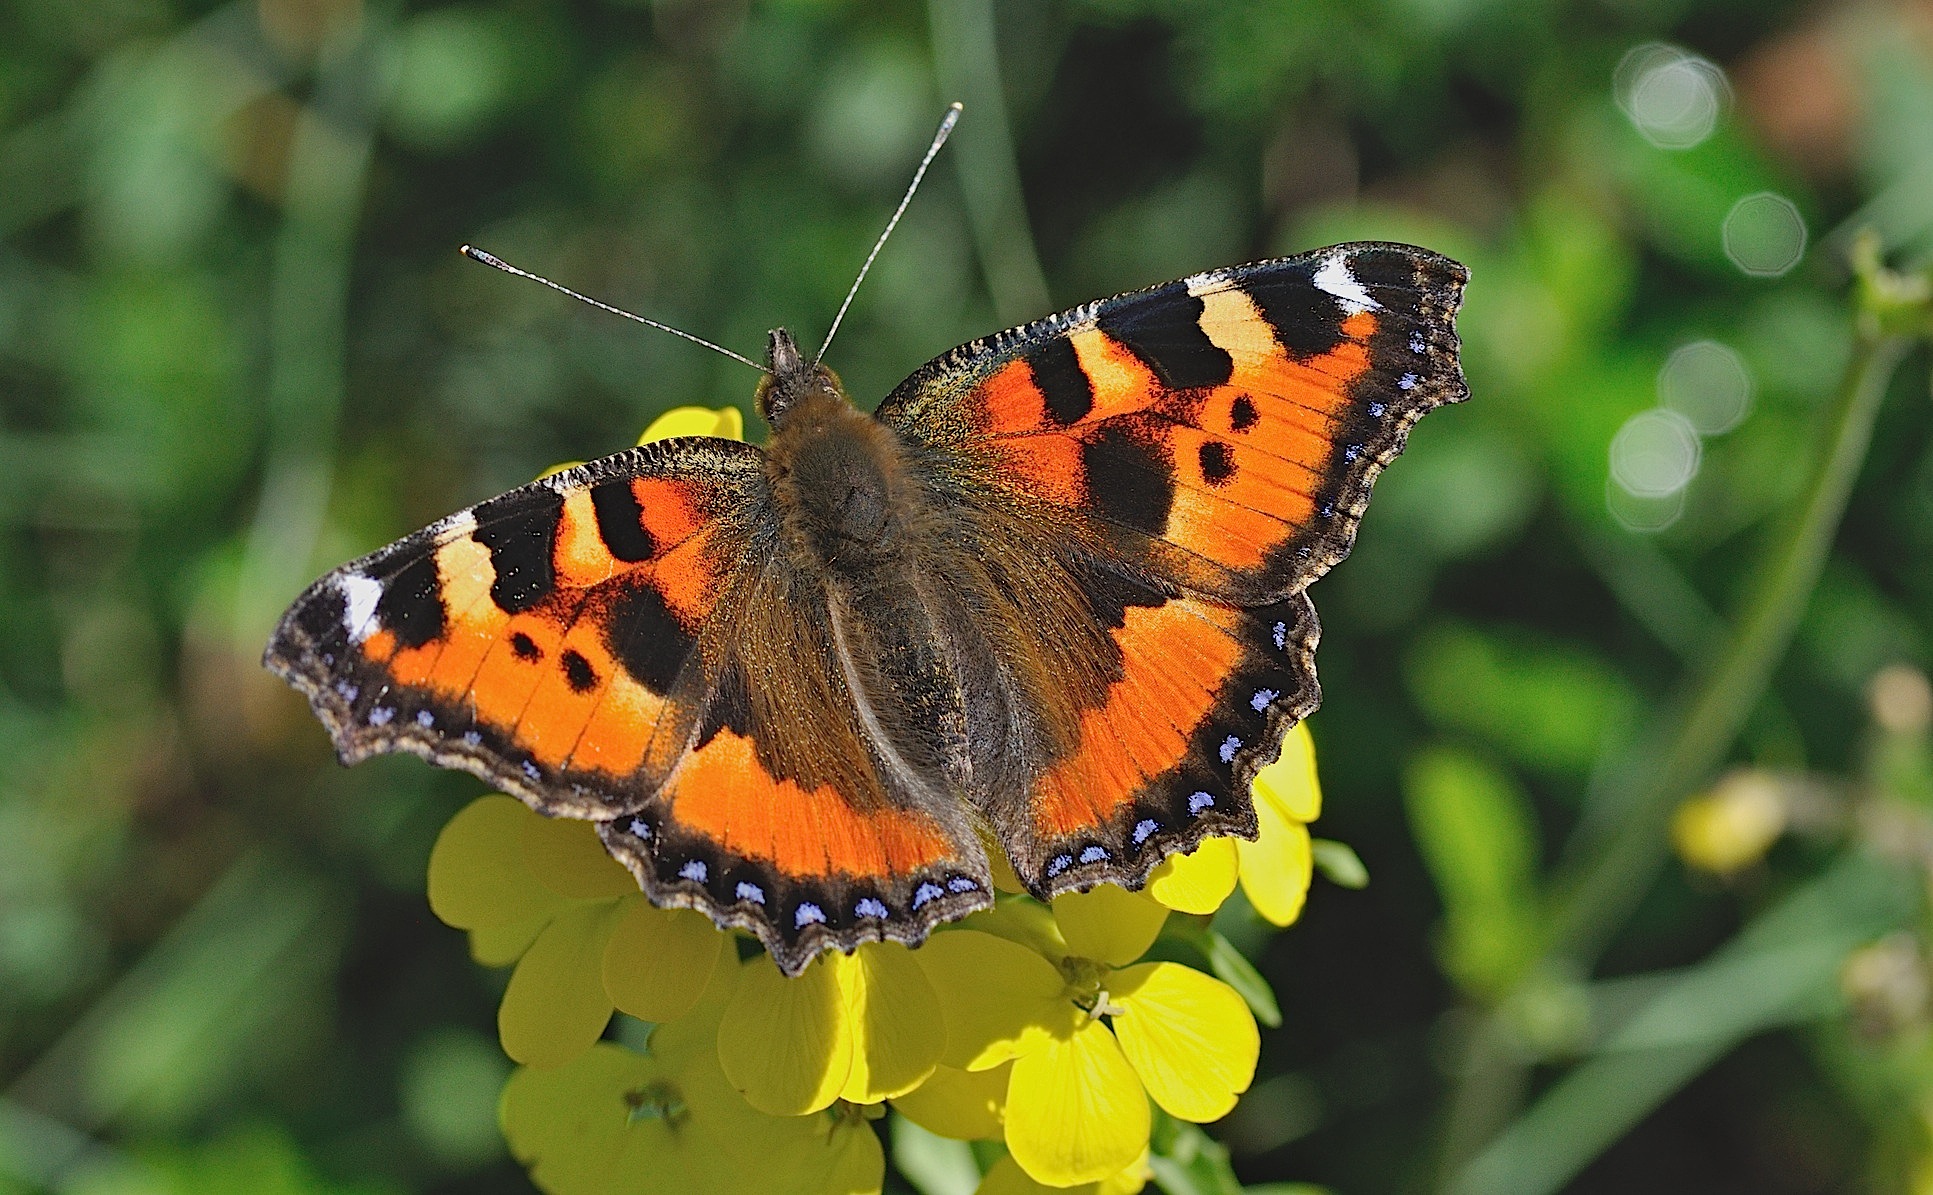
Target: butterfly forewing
536, 639
1222, 430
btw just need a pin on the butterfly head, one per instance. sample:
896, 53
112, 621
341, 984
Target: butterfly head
789, 377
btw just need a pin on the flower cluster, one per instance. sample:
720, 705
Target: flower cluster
1043, 1028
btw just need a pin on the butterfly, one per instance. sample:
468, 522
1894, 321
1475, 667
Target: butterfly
1050, 599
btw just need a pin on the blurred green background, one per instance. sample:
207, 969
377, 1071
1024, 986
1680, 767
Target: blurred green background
237, 347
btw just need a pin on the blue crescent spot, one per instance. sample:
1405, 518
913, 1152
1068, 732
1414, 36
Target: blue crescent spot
1406, 382
927, 892
1415, 342
1281, 635
751, 892
695, 871
381, 715
963, 884
1375, 410
531, 770
1230, 746
471, 738
808, 914
1262, 698
1350, 453
638, 828
425, 719
1058, 864
1143, 828
1199, 802
868, 907
347, 691
1093, 854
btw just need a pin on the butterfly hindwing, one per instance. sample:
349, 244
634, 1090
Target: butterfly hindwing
1196, 699
1222, 430
787, 816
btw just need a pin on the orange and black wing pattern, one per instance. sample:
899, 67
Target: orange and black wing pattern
623, 642
543, 640
1176, 701
785, 816
1222, 430
1192, 456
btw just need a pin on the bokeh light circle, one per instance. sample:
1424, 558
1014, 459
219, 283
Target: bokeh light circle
1764, 234
1655, 453
1671, 96
1708, 383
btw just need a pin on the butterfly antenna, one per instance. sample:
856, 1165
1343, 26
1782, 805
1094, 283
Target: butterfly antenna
476, 254
947, 122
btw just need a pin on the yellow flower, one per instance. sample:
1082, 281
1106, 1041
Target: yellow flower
544, 895
1091, 1035
1034, 1025
617, 1122
863, 1027
1732, 826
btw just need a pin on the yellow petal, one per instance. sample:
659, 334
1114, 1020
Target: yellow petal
1277, 866
499, 945
659, 960
725, 422
569, 1124
963, 1105
1007, 1178
996, 997
898, 1031
555, 1006
848, 1161
1290, 782
567, 857
1075, 1111
477, 875
1108, 923
1189, 1036
1199, 881
1026, 922
787, 1044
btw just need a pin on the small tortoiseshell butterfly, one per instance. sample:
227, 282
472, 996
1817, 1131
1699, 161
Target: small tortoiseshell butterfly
1052, 596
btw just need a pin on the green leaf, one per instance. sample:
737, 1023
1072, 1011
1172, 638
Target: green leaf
1477, 834
1545, 704
1339, 863
933, 1164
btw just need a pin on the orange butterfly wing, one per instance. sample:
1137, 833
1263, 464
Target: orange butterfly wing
537, 639
1198, 453
1222, 430
582, 642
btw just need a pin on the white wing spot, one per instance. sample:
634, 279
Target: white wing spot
1335, 278
359, 597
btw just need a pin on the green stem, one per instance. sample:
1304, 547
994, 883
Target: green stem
1592, 905
968, 54
1699, 728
